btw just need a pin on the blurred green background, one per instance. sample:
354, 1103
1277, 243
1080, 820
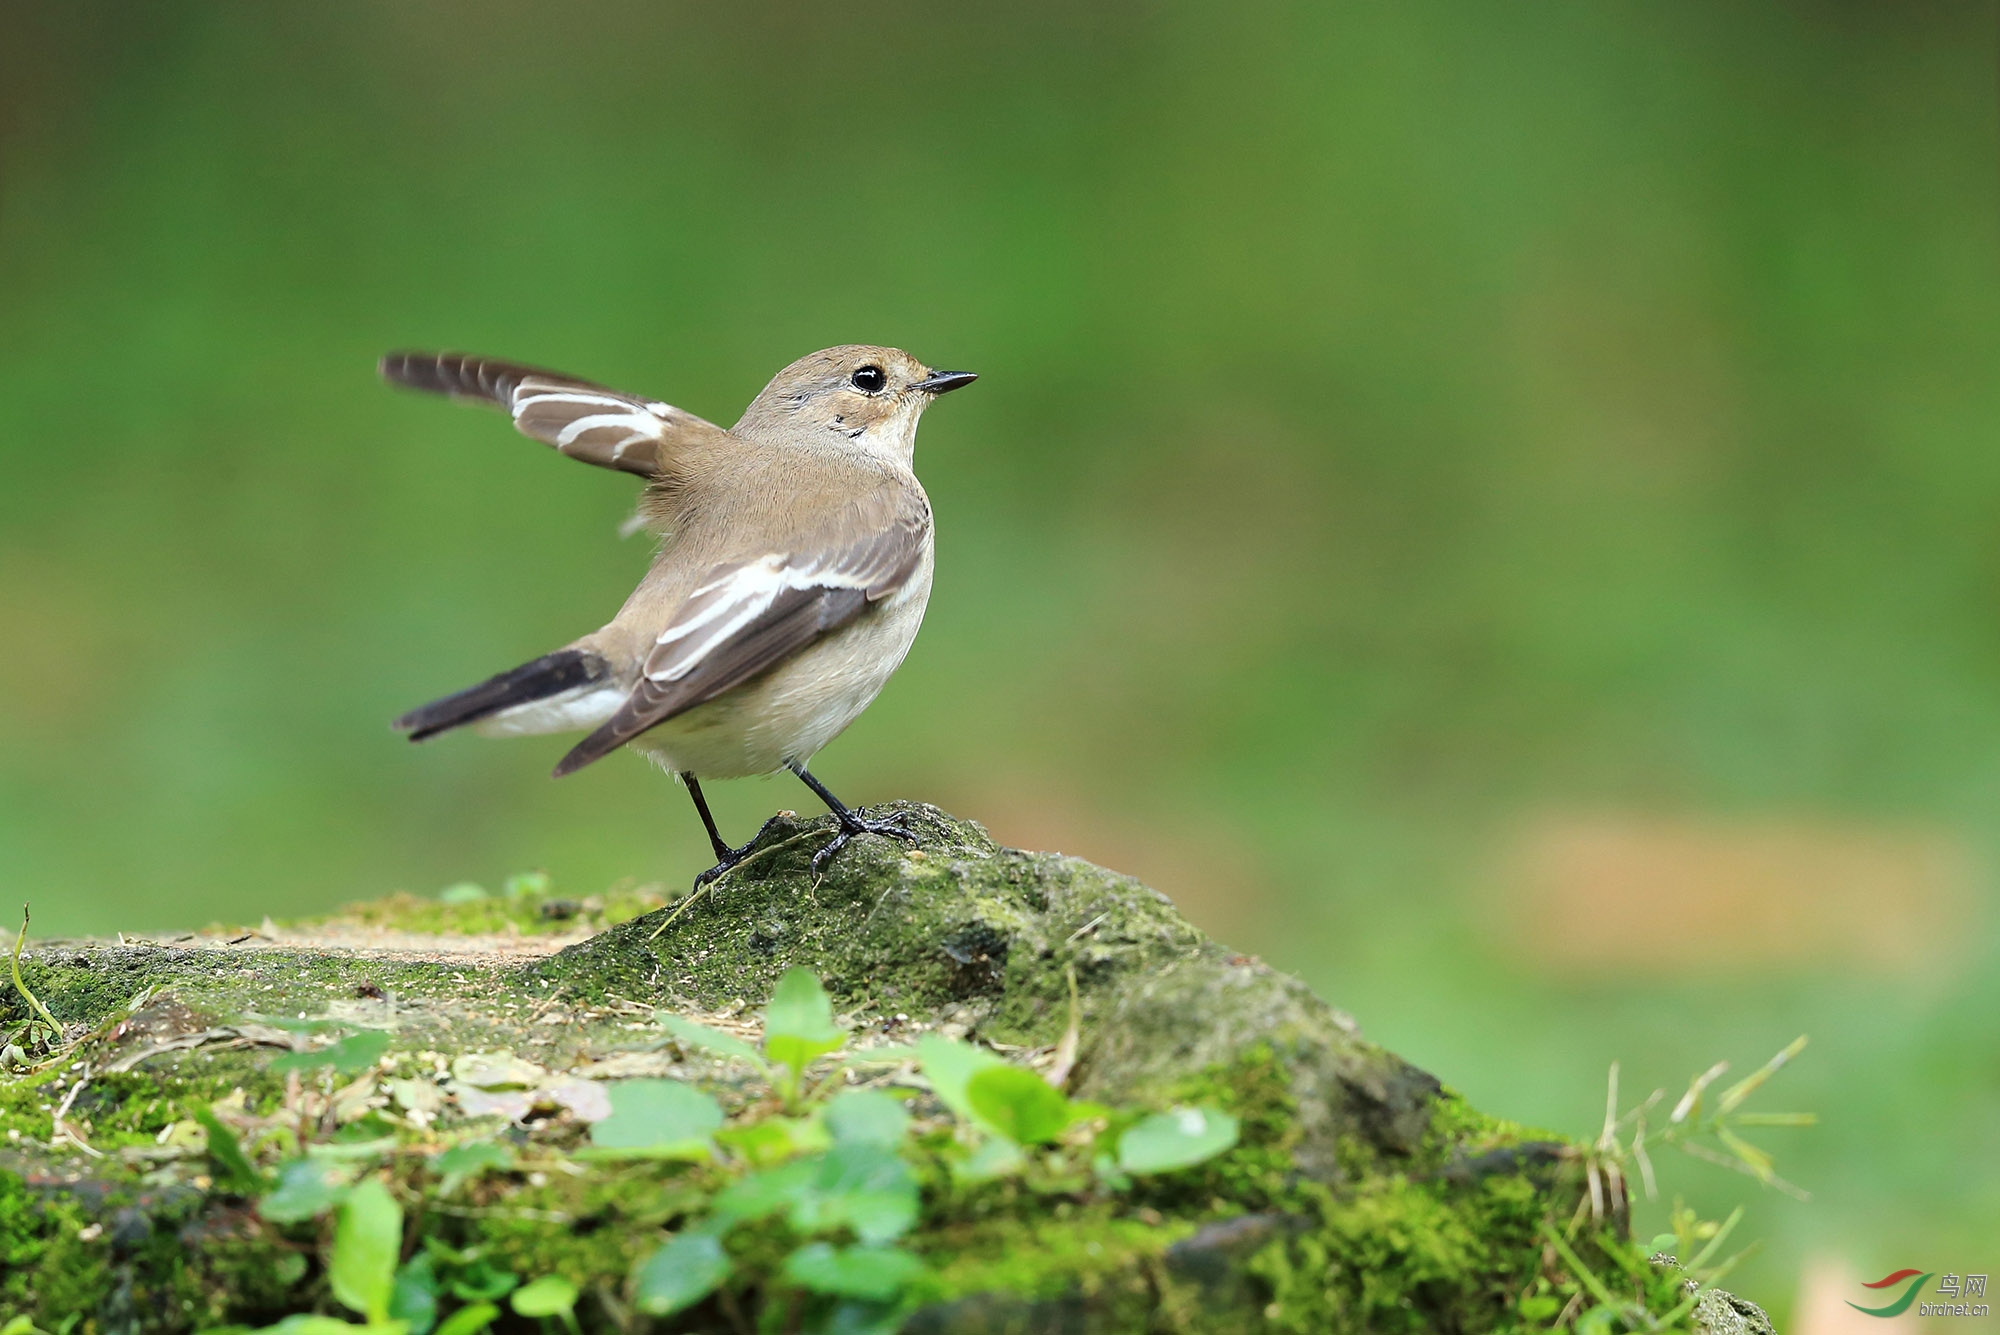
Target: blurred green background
1496, 509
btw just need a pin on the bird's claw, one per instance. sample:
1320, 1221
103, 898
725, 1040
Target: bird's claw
890, 827
718, 871
732, 858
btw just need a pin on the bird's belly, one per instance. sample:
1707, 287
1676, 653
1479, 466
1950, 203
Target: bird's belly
788, 714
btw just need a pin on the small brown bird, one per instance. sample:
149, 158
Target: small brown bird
794, 565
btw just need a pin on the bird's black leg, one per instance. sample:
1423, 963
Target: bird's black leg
850, 824
725, 856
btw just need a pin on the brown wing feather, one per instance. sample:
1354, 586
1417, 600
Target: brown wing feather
748, 617
584, 420
796, 619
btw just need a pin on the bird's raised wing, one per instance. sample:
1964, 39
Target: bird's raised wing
585, 421
746, 617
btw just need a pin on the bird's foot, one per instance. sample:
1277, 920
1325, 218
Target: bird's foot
732, 858
889, 827
721, 868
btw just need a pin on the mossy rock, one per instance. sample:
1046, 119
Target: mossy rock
1362, 1195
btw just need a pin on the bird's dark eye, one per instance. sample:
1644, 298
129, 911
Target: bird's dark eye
869, 379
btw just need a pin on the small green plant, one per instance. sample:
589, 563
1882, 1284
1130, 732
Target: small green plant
41, 1033
462, 1163
1656, 1287
360, 1268
1623, 1143
551, 1295
1178, 1139
798, 1029
660, 1119
304, 1189
347, 1056
1651, 1291
233, 1169
366, 1242
836, 1171
847, 1179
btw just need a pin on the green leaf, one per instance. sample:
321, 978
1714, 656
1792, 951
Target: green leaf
798, 1024
369, 1129
800, 1008
863, 1187
233, 1170
366, 1239
1597, 1321
1758, 1162
681, 1274
551, 1295
469, 1320
306, 1187
1539, 1306
657, 1114
1663, 1244
950, 1065
691, 1034
482, 1280
350, 1056
775, 1139
867, 1116
304, 1324
1176, 1139
856, 1185
465, 892
462, 1163
414, 1296
1774, 1119
997, 1157
1019, 1104
758, 1195
852, 1272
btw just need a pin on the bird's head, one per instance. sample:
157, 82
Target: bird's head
868, 395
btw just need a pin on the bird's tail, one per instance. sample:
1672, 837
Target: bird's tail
563, 671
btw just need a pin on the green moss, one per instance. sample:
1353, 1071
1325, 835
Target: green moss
957, 922
1459, 1130
132, 1107
1030, 1257
538, 910
1398, 1255
49, 1268
115, 1258
98, 986
82, 987
26, 1105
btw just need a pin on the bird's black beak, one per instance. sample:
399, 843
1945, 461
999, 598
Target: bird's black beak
944, 382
